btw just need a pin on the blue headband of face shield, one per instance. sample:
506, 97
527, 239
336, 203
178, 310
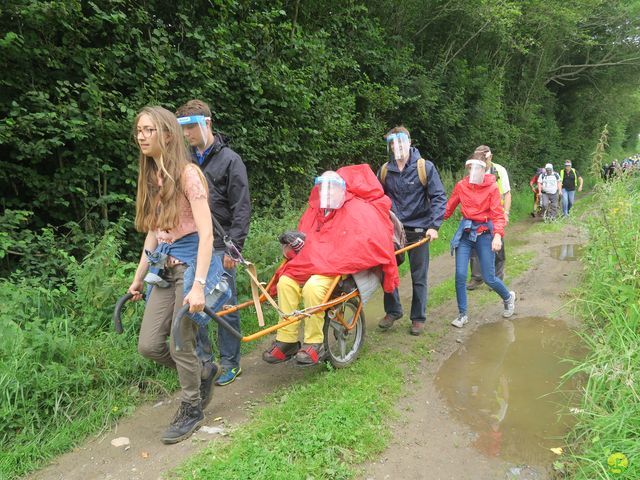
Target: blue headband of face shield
337, 181
400, 136
199, 119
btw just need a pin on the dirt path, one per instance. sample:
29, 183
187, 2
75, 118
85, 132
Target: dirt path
427, 442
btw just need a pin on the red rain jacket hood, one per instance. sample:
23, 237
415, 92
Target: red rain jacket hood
480, 203
355, 237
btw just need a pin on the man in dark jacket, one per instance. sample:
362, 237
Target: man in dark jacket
229, 203
419, 201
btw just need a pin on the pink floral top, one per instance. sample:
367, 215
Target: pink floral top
193, 190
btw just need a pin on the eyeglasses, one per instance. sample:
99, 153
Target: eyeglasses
145, 131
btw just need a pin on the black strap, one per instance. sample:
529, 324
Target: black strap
232, 250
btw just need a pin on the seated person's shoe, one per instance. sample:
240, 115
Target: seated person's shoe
387, 322
417, 328
310, 354
228, 376
280, 352
206, 383
187, 420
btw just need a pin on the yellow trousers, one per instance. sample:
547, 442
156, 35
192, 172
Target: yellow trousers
312, 294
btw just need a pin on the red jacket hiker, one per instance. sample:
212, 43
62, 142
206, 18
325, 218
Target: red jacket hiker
480, 203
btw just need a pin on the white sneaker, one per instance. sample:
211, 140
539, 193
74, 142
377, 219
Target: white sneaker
509, 305
460, 321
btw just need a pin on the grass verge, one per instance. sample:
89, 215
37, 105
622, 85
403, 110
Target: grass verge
604, 443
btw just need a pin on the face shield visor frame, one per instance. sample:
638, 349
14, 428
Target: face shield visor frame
476, 170
398, 145
332, 190
197, 122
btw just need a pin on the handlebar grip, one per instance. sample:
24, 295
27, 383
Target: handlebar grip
177, 323
117, 321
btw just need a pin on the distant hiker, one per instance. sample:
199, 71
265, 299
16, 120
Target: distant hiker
568, 177
549, 186
504, 187
419, 199
230, 204
533, 183
177, 260
481, 230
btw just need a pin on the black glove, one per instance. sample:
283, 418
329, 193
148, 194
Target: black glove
294, 239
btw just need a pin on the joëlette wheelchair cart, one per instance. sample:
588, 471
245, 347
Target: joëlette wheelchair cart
344, 325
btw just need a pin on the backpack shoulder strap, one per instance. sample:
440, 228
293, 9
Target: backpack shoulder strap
383, 172
422, 171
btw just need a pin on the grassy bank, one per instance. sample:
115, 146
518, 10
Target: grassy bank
64, 373
608, 426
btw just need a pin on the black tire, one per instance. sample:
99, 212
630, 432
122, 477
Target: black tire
342, 346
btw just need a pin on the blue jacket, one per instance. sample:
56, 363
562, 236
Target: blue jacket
416, 206
185, 249
472, 227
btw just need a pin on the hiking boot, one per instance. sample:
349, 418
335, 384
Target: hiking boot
474, 283
460, 320
310, 354
387, 322
228, 376
206, 383
509, 305
187, 420
280, 352
417, 328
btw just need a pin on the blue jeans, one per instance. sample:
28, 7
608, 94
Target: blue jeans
419, 262
228, 345
482, 247
568, 199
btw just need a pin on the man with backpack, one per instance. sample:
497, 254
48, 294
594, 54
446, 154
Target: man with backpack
418, 200
504, 187
549, 186
568, 177
230, 205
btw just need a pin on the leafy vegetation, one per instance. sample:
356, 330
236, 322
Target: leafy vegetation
300, 87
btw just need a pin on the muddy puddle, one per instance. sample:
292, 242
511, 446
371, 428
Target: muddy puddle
567, 252
503, 383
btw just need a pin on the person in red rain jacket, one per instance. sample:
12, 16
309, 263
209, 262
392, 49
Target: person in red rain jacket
481, 229
346, 229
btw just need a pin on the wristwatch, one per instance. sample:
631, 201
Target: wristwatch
201, 281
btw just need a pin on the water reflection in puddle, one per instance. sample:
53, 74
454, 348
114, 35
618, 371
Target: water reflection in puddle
502, 383
568, 252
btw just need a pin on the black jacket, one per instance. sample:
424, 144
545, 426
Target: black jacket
229, 199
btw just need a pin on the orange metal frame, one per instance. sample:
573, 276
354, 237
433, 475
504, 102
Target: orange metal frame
326, 304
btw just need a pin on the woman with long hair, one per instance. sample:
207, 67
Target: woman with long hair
176, 262
481, 229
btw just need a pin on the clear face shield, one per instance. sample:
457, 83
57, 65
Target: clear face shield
398, 144
332, 190
195, 130
476, 169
